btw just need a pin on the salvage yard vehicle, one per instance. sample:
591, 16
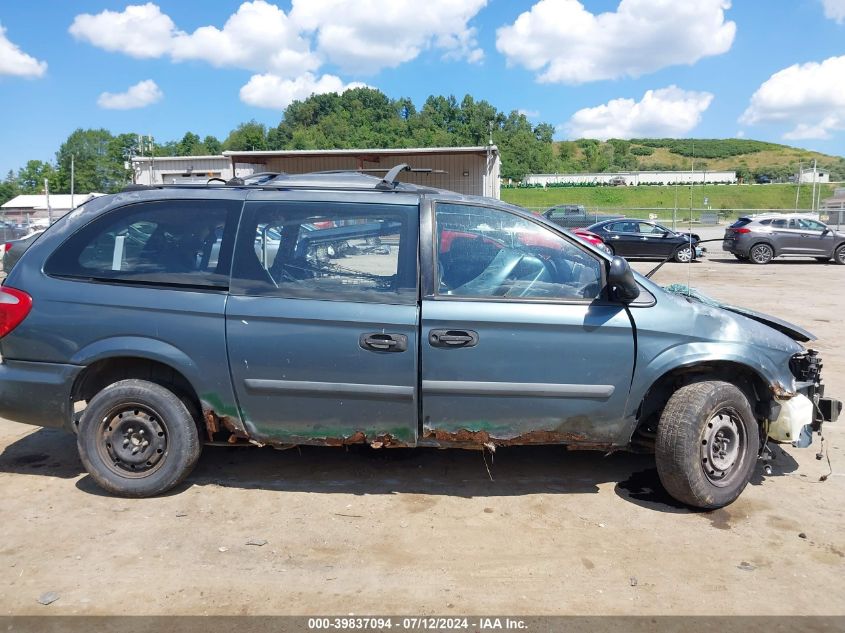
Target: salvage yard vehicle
639, 238
159, 319
760, 238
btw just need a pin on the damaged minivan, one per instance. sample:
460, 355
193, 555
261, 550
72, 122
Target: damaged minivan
342, 308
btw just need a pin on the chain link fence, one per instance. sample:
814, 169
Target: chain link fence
679, 218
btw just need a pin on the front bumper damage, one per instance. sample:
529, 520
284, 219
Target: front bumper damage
794, 417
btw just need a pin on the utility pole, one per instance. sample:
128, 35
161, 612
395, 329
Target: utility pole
813, 195
152, 148
798, 188
72, 174
47, 196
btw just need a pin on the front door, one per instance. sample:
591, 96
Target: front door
518, 343
812, 238
322, 321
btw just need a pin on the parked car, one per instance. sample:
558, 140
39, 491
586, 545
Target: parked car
13, 249
574, 216
591, 238
148, 324
617, 181
759, 239
640, 238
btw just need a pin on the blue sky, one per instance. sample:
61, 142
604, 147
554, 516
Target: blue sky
772, 70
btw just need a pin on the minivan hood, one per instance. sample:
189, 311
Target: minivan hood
795, 332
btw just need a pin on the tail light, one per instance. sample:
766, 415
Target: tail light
14, 306
742, 230
5, 247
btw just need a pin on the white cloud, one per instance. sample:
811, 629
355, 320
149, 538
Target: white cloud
139, 30
564, 43
140, 95
13, 61
667, 112
834, 10
530, 114
368, 35
808, 97
363, 37
258, 36
272, 91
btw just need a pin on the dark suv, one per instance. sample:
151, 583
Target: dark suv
336, 309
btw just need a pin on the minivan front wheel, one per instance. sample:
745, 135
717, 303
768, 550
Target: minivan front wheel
707, 444
839, 255
761, 254
137, 439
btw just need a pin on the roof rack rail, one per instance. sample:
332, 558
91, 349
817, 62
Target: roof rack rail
259, 178
390, 179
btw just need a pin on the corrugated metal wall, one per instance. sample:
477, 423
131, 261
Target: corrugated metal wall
162, 169
456, 165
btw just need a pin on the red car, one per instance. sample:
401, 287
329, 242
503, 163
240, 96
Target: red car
591, 238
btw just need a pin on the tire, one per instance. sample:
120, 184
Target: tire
138, 439
761, 254
839, 255
684, 255
699, 419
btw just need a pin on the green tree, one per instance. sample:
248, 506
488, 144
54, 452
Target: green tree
190, 145
30, 179
9, 187
98, 163
212, 145
249, 136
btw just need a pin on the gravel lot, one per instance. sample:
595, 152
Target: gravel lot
322, 531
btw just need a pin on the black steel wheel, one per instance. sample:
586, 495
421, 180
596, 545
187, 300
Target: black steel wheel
137, 439
707, 444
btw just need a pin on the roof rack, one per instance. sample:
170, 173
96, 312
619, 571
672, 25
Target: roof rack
391, 179
343, 180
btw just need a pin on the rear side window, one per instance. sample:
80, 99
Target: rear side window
329, 251
168, 242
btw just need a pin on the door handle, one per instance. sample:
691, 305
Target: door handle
381, 342
452, 338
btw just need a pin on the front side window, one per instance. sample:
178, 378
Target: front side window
485, 252
330, 251
167, 242
810, 225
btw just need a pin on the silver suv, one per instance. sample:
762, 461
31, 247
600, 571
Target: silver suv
760, 238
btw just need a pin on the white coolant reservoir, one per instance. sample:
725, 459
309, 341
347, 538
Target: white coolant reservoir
795, 414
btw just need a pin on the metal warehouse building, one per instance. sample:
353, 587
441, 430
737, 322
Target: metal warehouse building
467, 170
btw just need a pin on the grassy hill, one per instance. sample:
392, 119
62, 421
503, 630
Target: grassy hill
747, 157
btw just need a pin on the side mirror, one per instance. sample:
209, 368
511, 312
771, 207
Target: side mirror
826, 230
620, 281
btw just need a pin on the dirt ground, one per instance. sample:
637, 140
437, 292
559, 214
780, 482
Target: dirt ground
428, 532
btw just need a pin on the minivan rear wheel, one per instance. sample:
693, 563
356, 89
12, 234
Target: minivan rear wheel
137, 439
707, 444
761, 254
839, 255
